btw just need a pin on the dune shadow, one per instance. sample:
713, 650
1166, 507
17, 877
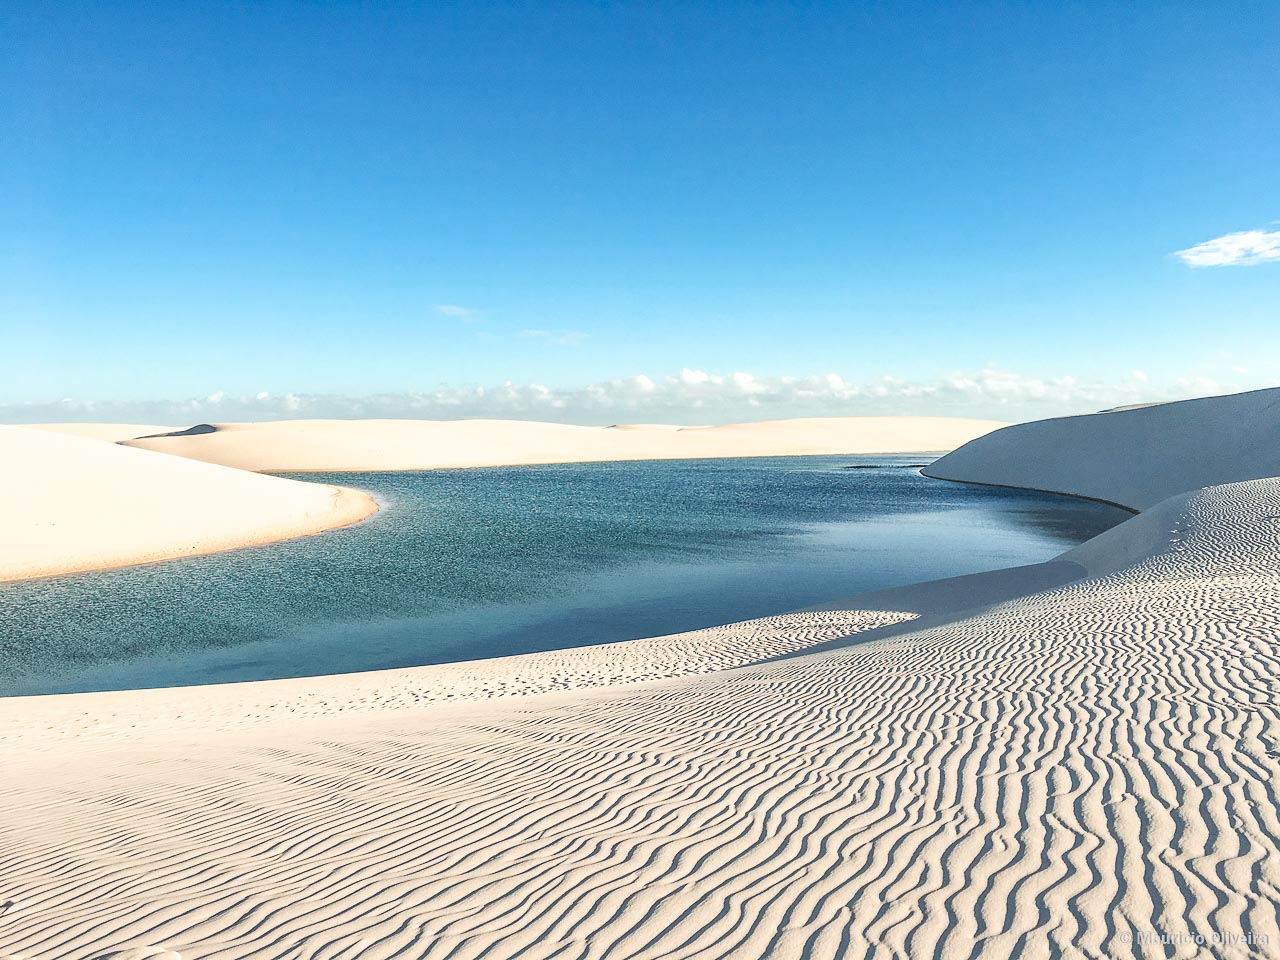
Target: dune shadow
195, 431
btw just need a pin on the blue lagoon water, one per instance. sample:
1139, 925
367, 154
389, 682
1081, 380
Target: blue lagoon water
463, 564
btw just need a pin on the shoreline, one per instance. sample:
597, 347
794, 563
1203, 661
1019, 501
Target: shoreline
1010, 486
845, 576
210, 489
358, 506
936, 454
870, 604
71, 504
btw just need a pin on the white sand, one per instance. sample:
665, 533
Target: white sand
1062, 766
70, 503
308, 445
112, 432
1133, 456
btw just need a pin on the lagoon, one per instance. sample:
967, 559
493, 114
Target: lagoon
466, 564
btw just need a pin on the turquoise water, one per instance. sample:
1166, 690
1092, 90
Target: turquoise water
462, 564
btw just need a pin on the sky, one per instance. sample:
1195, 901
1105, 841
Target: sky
693, 212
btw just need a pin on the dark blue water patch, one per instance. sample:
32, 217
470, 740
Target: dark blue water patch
463, 564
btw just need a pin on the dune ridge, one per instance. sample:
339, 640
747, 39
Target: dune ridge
300, 446
1075, 759
1132, 456
71, 503
111, 432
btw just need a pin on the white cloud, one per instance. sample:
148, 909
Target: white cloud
561, 338
690, 396
1234, 249
453, 310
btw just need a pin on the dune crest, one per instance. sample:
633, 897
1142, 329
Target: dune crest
1134, 456
286, 446
111, 432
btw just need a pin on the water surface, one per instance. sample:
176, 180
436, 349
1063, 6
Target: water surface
462, 564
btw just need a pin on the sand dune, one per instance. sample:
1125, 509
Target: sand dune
1133, 456
112, 432
1059, 760
72, 503
311, 445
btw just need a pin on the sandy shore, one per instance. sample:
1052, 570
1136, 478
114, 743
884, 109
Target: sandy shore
72, 503
318, 445
140, 506
1055, 760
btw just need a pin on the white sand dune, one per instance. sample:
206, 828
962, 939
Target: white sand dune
70, 503
112, 432
1015, 764
1133, 456
318, 445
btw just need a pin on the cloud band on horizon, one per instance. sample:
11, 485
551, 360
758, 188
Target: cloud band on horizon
691, 396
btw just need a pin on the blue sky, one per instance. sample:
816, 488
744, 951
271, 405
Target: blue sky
606, 211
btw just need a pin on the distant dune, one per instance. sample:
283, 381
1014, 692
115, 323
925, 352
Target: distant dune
70, 503
320, 445
113, 432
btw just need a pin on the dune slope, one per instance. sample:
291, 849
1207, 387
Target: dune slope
1135, 456
111, 432
71, 503
317, 445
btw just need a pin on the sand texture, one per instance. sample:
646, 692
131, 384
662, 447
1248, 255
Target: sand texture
310, 445
1057, 760
70, 503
